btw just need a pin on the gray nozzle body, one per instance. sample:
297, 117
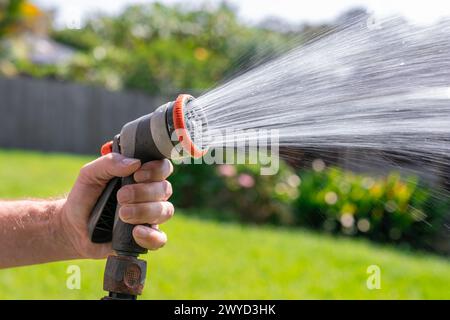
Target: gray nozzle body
147, 138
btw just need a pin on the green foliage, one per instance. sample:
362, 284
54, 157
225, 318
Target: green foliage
239, 190
211, 260
391, 209
10, 13
161, 49
387, 209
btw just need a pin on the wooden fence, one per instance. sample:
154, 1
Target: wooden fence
56, 116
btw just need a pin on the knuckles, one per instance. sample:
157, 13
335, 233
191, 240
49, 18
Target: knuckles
125, 194
167, 189
145, 192
86, 169
158, 169
90, 170
170, 210
167, 167
154, 212
164, 210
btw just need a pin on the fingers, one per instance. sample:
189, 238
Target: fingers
103, 169
95, 175
142, 203
147, 213
144, 192
149, 237
154, 171
146, 203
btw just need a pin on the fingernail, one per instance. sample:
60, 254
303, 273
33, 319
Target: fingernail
129, 161
124, 195
143, 175
142, 232
126, 212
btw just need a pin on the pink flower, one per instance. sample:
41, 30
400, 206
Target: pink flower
246, 180
226, 170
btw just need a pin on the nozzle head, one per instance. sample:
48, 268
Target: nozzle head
188, 122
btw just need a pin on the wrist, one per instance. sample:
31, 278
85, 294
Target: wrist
31, 231
59, 231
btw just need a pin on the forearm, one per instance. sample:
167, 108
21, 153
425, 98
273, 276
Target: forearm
30, 233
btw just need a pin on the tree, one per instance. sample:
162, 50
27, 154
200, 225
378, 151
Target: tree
162, 49
10, 14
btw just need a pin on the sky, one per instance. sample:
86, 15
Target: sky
71, 12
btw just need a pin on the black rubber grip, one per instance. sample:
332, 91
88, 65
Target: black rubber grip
101, 221
122, 240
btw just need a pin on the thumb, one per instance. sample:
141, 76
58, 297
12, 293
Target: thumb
91, 182
103, 169
95, 175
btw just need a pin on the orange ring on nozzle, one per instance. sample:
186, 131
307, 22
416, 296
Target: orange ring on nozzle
180, 127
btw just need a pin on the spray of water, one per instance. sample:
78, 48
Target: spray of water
384, 88
364, 87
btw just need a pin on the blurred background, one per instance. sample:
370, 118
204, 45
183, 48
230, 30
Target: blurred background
73, 72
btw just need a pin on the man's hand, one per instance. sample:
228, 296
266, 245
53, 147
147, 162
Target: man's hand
142, 203
39, 231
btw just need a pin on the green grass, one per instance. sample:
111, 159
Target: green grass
211, 260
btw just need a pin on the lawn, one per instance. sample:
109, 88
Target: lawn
212, 260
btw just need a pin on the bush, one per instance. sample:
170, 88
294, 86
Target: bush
239, 190
392, 209
158, 49
386, 209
